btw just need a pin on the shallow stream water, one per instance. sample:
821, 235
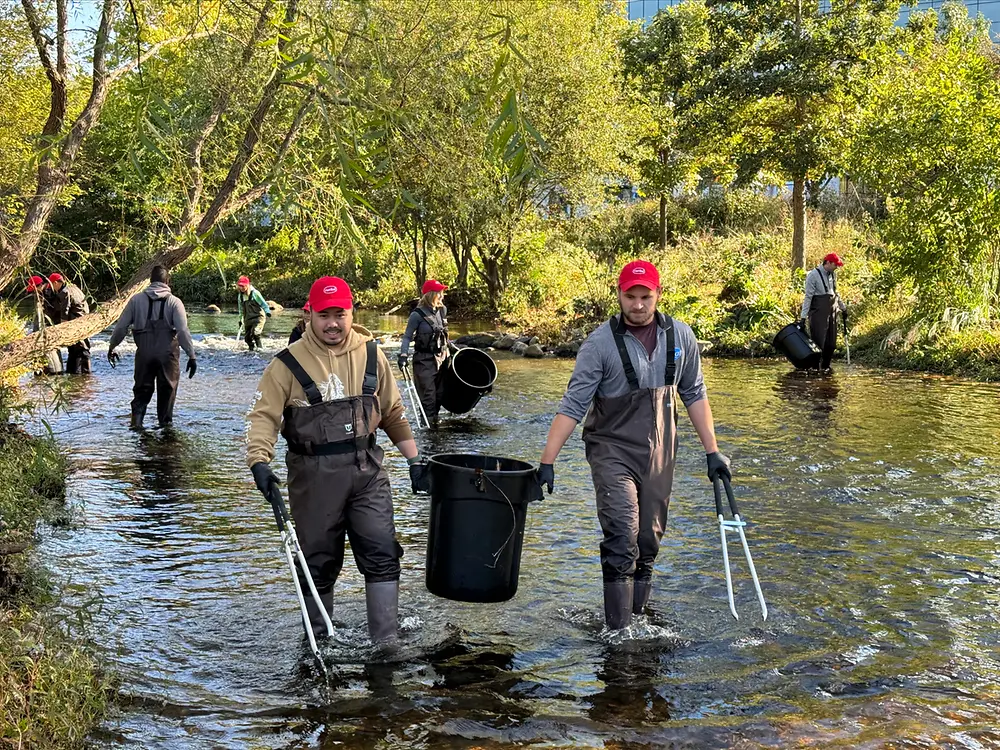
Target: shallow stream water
875, 527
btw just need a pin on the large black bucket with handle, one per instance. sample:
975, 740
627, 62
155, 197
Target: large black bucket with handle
469, 375
793, 342
478, 509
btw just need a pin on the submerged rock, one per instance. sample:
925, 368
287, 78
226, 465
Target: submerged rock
519, 347
275, 307
568, 349
505, 342
213, 310
476, 341
534, 351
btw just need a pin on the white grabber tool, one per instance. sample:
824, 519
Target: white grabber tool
293, 552
735, 524
411, 390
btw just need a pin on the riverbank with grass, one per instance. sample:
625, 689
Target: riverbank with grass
53, 691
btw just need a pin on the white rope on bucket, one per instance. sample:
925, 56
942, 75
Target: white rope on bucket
513, 518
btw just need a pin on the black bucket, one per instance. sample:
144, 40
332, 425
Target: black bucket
469, 375
793, 342
478, 509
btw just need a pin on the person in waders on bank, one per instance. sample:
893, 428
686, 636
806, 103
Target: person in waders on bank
253, 311
328, 393
72, 305
300, 328
41, 319
159, 326
628, 374
820, 307
427, 328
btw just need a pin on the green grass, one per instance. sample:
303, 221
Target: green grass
52, 689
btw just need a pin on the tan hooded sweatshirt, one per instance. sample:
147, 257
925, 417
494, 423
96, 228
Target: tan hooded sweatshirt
338, 372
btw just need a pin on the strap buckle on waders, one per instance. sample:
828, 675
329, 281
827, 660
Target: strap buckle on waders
735, 524
293, 552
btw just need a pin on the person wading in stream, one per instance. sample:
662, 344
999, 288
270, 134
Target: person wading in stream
253, 311
820, 307
328, 393
159, 323
72, 305
627, 374
427, 328
44, 310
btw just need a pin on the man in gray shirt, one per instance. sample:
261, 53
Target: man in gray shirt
158, 321
626, 375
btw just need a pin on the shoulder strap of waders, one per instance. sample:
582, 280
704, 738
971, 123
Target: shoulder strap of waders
630, 376
312, 392
434, 321
822, 280
371, 370
671, 372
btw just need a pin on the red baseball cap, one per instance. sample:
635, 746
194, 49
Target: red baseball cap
330, 291
639, 272
307, 307
245, 280
35, 282
55, 277
833, 258
432, 285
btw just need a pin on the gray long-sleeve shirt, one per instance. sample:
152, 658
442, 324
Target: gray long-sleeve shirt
417, 324
818, 283
599, 372
137, 309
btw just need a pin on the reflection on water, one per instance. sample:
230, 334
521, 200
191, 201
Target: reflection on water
874, 524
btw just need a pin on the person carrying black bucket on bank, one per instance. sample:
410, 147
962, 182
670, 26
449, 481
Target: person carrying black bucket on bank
253, 311
628, 374
328, 394
427, 328
159, 326
820, 307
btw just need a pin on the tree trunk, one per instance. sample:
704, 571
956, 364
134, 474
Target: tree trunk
663, 222
798, 224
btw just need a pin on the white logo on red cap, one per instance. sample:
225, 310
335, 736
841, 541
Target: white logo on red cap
639, 271
329, 290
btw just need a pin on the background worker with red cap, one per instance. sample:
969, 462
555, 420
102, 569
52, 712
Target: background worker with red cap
821, 304
628, 374
72, 305
45, 311
300, 327
427, 328
328, 393
253, 311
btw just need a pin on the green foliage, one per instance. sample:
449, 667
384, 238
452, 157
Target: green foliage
929, 141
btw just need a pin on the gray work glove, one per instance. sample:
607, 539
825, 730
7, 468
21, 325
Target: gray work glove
545, 475
718, 466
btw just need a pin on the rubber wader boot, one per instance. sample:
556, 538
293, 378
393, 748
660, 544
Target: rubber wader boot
640, 595
256, 341
316, 620
382, 603
618, 604
137, 416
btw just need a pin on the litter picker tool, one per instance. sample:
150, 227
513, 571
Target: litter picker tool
735, 524
411, 390
847, 338
293, 552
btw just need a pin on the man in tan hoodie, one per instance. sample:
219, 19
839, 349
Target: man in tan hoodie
328, 393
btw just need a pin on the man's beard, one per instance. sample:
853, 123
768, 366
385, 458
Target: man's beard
632, 322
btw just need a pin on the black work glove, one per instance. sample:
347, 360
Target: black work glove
718, 466
801, 324
844, 314
267, 483
192, 367
402, 361
419, 479
545, 475
114, 358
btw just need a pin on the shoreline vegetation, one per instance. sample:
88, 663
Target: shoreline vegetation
53, 689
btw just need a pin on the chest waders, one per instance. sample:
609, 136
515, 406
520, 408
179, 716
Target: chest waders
254, 317
823, 321
157, 366
336, 487
430, 352
631, 444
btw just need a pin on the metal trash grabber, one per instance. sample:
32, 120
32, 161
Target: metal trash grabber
847, 338
411, 390
293, 552
736, 524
